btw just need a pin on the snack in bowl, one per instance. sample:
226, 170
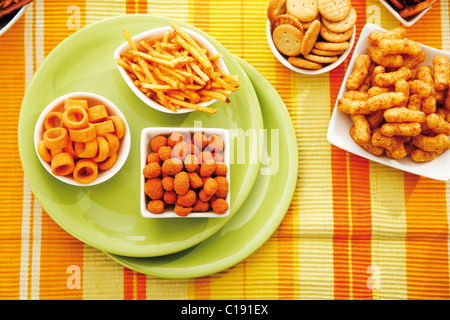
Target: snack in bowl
9, 6
82, 138
184, 172
408, 12
396, 114
175, 70
311, 36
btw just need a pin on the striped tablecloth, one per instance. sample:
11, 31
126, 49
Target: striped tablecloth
355, 229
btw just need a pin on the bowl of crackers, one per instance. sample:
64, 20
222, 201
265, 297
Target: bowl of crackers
311, 36
174, 70
394, 106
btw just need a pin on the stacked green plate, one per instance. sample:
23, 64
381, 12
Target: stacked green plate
107, 216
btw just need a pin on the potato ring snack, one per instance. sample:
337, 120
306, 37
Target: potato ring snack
53, 120
104, 127
108, 163
62, 164
86, 149
97, 113
43, 151
83, 135
113, 143
102, 150
85, 171
56, 138
119, 126
75, 117
76, 102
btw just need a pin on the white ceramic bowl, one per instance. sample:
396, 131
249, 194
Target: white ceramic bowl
340, 123
147, 135
93, 99
284, 59
406, 21
158, 33
9, 20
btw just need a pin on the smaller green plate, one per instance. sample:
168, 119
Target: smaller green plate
261, 213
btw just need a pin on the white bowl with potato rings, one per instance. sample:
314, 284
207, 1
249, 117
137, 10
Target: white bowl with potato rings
179, 68
326, 66
111, 134
340, 123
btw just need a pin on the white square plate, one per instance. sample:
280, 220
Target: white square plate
147, 135
340, 123
408, 21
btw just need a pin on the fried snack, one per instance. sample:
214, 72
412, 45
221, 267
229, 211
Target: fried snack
182, 211
188, 199
97, 113
221, 169
421, 88
222, 187
368, 146
119, 126
164, 153
207, 167
397, 33
86, 149
44, 152
360, 70
85, 171
441, 67
392, 144
399, 46
353, 106
176, 72
361, 128
415, 102
53, 120
437, 124
401, 129
416, 8
153, 188
172, 166
62, 164
200, 206
9, 6
390, 78
158, 142
419, 155
385, 60
431, 143
56, 138
385, 101
155, 206
108, 163
220, 206
152, 170
403, 114
181, 183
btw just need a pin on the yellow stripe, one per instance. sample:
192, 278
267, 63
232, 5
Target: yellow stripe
167, 289
95, 13
174, 9
230, 284
388, 232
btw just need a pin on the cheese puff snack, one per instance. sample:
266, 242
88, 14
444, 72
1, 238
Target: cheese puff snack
400, 108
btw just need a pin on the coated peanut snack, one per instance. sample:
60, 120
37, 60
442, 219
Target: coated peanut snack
186, 171
311, 33
80, 139
398, 107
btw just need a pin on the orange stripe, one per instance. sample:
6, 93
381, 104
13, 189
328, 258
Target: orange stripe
361, 225
202, 288
128, 284
428, 29
141, 286
11, 182
427, 268
57, 19
142, 6
340, 203
130, 6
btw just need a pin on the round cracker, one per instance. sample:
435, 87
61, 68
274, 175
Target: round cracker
320, 59
310, 37
331, 36
332, 46
305, 64
334, 10
286, 19
303, 10
326, 53
275, 8
288, 39
344, 25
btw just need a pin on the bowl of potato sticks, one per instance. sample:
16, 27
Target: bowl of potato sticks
393, 106
406, 11
311, 37
174, 70
185, 172
82, 139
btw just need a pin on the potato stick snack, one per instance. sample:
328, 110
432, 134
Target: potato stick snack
176, 72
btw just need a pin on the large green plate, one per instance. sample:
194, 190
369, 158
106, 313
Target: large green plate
257, 219
107, 216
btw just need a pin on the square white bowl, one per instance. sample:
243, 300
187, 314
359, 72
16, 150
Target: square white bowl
406, 21
158, 33
284, 61
58, 105
340, 123
147, 134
